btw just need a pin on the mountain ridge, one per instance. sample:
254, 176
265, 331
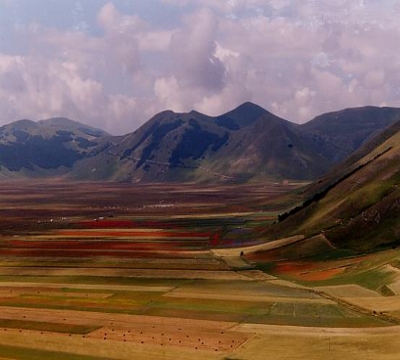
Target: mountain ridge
35, 147
246, 143
357, 204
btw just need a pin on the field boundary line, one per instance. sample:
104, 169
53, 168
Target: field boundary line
361, 310
271, 245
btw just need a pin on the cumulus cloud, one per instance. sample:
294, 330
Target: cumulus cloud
192, 51
72, 74
108, 17
297, 59
195, 71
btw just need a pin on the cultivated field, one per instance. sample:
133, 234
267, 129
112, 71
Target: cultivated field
122, 271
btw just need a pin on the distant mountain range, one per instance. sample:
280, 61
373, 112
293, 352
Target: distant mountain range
45, 148
247, 143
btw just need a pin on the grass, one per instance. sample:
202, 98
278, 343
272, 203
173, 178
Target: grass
386, 291
98, 280
153, 303
396, 263
314, 315
47, 326
244, 288
371, 279
266, 267
21, 353
251, 308
94, 309
212, 306
368, 195
367, 270
333, 255
298, 345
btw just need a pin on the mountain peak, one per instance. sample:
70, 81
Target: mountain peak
247, 109
242, 116
248, 105
62, 123
59, 121
21, 124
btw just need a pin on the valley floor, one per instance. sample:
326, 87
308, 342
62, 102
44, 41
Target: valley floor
120, 273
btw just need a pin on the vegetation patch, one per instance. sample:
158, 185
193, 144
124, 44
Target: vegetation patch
21, 353
385, 290
321, 194
47, 326
195, 142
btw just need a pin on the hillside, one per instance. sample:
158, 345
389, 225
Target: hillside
356, 205
47, 147
337, 134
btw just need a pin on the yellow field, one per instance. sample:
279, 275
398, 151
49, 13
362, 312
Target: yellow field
150, 337
302, 344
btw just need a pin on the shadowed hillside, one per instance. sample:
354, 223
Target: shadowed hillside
338, 134
46, 147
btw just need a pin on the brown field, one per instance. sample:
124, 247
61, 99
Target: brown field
122, 271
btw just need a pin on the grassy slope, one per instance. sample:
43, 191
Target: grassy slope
362, 211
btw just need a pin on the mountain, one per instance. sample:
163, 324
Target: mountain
357, 204
336, 135
247, 143
46, 147
270, 148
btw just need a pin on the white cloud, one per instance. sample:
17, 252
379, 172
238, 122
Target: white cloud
168, 93
155, 41
297, 59
193, 52
108, 17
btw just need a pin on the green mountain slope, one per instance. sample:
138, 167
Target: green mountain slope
358, 204
337, 134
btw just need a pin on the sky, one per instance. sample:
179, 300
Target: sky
115, 64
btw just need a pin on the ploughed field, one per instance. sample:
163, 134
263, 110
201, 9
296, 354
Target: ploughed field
122, 271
